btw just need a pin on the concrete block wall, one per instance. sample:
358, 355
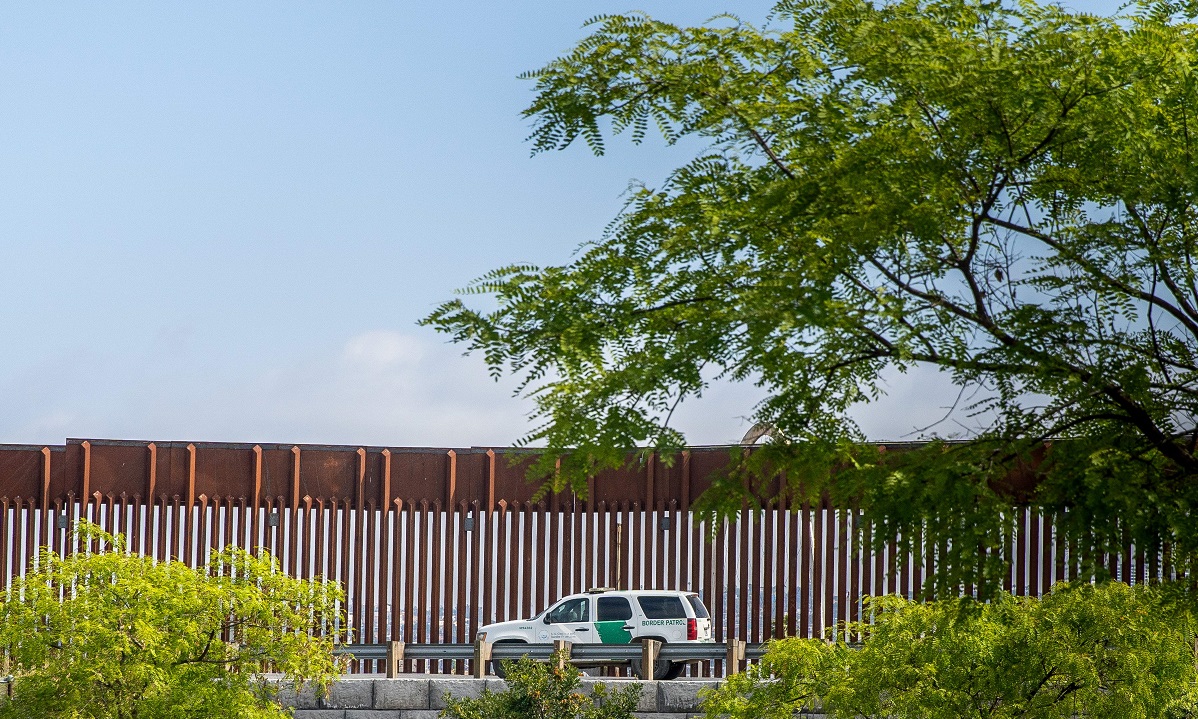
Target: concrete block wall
424, 697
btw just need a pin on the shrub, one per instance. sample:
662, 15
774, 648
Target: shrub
1109, 651
545, 691
105, 634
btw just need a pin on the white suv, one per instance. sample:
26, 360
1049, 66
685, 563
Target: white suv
608, 616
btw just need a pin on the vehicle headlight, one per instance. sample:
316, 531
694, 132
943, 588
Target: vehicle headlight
481, 637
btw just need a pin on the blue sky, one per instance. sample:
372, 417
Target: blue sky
220, 221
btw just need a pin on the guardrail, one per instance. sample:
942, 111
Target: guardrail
732, 653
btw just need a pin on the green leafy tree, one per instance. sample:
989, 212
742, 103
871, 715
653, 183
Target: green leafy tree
1000, 191
537, 690
106, 634
1107, 651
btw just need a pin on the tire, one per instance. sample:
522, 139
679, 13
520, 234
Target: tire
661, 667
675, 671
497, 664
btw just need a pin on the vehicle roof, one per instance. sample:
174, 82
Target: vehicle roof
600, 591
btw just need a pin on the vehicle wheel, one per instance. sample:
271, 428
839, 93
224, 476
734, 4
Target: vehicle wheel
497, 664
675, 671
661, 668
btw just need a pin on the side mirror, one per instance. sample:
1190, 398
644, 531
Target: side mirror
547, 618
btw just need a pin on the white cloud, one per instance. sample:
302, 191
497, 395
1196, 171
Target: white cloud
916, 404
382, 349
379, 387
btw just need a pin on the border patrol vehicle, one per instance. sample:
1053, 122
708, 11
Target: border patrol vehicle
609, 616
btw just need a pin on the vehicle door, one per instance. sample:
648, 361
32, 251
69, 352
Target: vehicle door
613, 620
570, 620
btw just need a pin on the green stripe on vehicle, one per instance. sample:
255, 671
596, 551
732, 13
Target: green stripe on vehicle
613, 632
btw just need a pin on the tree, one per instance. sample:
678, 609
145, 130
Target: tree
537, 690
1107, 650
1000, 191
106, 634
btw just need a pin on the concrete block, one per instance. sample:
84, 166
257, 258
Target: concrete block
680, 697
401, 693
656, 715
319, 714
351, 694
648, 698
587, 685
419, 714
457, 688
304, 698
372, 714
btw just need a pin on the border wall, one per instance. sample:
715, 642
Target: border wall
429, 544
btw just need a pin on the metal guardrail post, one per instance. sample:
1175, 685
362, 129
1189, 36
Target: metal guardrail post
394, 659
649, 650
736, 654
561, 653
482, 655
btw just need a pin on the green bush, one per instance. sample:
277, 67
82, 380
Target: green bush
107, 634
544, 691
1109, 651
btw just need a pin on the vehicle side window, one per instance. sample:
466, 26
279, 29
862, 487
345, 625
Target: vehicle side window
697, 605
574, 610
613, 609
662, 607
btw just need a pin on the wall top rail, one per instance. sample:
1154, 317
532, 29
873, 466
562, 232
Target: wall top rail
294, 475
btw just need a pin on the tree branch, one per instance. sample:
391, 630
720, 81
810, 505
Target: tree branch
1097, 273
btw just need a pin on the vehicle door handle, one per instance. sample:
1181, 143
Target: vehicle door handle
582, 629
628, 627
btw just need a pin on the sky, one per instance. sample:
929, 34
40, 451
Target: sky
221, 221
